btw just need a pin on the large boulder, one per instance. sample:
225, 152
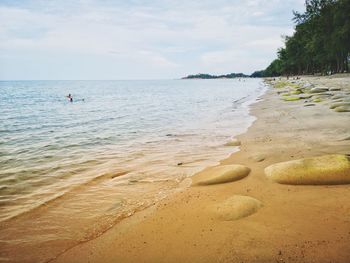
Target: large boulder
220, 174
326, 169
236, 207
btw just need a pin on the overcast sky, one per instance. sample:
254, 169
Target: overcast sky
121, 39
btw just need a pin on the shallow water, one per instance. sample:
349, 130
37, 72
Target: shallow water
69, 171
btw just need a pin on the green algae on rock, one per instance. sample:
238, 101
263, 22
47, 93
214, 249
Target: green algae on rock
221, 174
280, 84
326, 169
293, 85
342, 109
296, 92
291, 98
236, 207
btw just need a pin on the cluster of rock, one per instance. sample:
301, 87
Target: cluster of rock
320, 170
295, 90
236, 206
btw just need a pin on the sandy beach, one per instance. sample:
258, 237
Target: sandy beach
283, 223
175, 131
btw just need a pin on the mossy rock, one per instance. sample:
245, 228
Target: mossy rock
220, 174
326, 169
337, 100
317, 100
305, 96
296, 92
318, 90
324, 95
291, 98
236, 207
294, 85
280, 84
338, 96
342, 109
339, 104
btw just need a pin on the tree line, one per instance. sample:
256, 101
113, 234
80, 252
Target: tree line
320, 43
208, 76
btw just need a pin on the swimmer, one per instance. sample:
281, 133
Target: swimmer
70, 97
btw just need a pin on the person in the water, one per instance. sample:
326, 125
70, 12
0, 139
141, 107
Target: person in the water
70, 97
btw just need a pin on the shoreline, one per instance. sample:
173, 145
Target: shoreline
297, 223
186, 221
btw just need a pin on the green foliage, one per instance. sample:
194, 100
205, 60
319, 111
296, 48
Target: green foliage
208, 76
320, 43
274, 69
258, 74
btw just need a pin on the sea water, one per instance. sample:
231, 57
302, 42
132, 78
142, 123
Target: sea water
71, 170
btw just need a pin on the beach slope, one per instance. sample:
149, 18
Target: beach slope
253, 218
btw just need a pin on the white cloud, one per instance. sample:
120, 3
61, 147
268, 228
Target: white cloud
164, 39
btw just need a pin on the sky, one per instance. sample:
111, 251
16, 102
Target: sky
139, 39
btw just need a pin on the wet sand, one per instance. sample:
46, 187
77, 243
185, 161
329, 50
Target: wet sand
296, 223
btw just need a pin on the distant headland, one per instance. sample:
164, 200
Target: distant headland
226, 76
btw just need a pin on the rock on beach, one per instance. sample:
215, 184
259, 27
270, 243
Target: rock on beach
326, 169
236, 207
221, 174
